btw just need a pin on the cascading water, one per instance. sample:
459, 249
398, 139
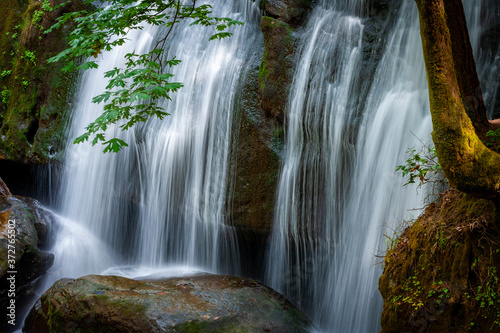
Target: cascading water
338, 192
481, 19
160, 201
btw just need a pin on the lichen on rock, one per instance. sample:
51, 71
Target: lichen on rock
200, 303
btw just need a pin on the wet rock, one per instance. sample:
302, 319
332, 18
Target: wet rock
21, 259
254, 165
275, 71
203, 303
440, 274
4, 190
34, 106
289, 11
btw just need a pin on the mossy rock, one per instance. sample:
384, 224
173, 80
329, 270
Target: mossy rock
34, 95
202, 303
441, 273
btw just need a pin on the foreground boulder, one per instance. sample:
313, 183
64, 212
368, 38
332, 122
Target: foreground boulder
202, 303
24, 228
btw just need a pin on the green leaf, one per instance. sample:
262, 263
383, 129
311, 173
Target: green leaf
132, 91
114, 145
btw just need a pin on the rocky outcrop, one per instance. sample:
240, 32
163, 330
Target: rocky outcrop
292, 12
441, 274
258, 131
203, 303
34, 95
25, 228
275, 71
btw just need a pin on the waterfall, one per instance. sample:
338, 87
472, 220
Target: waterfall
159, 202
339, 192
481, 17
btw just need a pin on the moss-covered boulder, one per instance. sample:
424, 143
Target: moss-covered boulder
34, 95
24, 228
203, 303
442, 273
258, 140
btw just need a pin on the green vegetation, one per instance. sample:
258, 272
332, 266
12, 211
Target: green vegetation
422, 166
441, 272
33, 93
132, 92
492, 140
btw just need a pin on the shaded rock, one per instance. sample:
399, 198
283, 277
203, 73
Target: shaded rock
4, 190
441, 273
34, 100
203, 303
379, 17
289, 11
275, 71
378, 7
257, 138
256, 163
19, 251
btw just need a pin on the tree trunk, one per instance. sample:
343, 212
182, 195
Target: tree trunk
457, 107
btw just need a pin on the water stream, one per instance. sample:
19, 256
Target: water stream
157, 208
339, 193
159, 202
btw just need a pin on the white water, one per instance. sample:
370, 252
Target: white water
156, 209
480, 16
160, 202
339, 192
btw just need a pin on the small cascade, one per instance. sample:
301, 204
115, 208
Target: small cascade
482, 20
339, 192
159, 202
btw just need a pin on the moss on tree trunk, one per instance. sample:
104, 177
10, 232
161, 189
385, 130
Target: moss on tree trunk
457, 108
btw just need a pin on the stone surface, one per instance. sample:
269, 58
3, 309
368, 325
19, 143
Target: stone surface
19, 250
34, 95
275, 71
289, 11
203, 303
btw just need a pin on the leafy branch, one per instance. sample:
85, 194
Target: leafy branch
132, 92
423, 167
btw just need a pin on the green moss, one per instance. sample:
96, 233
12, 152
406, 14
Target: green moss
34, 94
219, 325
436, 273
263, 72
467, 163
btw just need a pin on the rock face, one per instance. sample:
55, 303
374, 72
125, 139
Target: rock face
34, 94
275, 72
24, 228
288, 11
258, 131
441, 275
203, 303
